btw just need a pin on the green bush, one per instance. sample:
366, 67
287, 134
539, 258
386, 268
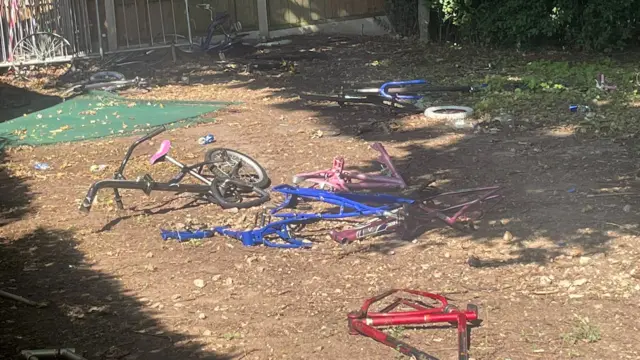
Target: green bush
584, 24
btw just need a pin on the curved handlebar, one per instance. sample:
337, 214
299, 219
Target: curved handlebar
152, 134
146, 137
385, 86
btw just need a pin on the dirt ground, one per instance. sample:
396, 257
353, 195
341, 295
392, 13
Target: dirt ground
557, 271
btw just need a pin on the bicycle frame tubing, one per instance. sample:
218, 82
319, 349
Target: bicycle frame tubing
66, 354
354, 201
387, 89
205, 44
364, 322
421, 213
385, 86
119, 175
340, 179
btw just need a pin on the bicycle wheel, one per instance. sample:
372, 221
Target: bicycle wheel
103, 76
41, 46
230, 193
228, 163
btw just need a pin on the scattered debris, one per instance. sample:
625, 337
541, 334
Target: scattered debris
97, 168
41, 166
18, 298
205, 140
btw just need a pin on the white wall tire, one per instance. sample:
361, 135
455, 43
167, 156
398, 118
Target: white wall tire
450, 112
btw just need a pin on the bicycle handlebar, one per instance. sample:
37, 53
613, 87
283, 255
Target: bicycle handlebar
386, 86
146, 137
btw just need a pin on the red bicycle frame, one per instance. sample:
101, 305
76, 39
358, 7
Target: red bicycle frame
364, 322
339, 179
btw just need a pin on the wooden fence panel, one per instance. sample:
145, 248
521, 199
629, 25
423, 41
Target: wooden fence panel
287, 13
152, 15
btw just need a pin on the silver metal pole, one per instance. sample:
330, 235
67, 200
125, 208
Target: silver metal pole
175, 27
164, 39
126, 29
138, 24
87, 27
150, 26
3, 42
99, 29
186, 4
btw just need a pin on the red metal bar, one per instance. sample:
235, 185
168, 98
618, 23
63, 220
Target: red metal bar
363, 322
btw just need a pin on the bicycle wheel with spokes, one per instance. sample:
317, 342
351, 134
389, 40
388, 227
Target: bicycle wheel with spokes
42, 46
228, 163
230, 193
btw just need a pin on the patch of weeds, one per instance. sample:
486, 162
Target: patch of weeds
397, 332
583, 330
194, 242
232, 335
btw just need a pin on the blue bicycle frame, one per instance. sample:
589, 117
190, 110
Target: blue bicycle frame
351, 205
387, 85
384, 88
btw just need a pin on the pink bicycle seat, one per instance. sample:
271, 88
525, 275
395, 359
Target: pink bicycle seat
165, 146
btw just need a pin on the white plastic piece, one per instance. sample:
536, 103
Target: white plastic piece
461, 112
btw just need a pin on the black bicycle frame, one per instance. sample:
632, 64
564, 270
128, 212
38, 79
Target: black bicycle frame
147, 184
219, 20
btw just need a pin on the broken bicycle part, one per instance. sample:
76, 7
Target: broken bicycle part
42, 354
422, 212
339, 179
365, 322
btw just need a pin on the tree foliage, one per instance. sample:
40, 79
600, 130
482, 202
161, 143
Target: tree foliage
584, 24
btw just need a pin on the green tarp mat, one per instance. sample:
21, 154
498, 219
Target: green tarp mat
100, 114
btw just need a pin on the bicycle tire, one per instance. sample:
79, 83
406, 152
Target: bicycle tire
263, 180
225, 204
103, 76
450, 112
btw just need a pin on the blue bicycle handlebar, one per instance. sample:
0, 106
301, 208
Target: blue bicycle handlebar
385, 86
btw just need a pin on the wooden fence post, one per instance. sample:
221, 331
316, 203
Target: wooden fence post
263, 19
110, 19
424, 11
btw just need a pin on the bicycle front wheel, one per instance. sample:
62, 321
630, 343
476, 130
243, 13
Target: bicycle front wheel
228, 163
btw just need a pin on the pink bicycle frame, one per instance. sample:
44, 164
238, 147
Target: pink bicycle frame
341, 180
424, 214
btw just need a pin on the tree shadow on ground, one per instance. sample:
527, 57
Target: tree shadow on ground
87, 310
14, 193
15, 102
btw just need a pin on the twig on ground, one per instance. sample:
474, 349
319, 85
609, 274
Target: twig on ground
545, 292
21, 299
614, 194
